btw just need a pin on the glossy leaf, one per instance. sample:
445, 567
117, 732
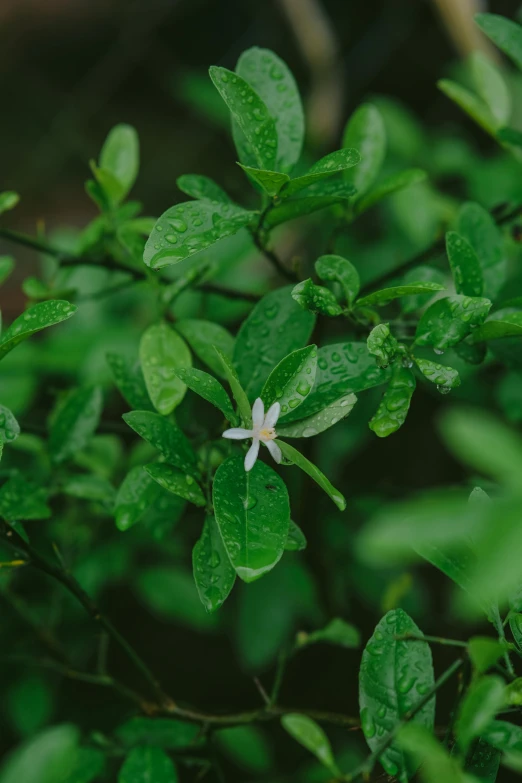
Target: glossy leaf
75, 423
188, 228
298, 459
510, 136
309, 734
390, 185
250, 113
237, 390
275, 327
296, 540
201, 187
120, 157
9, 427
129, 379
483, 699
173, 480
321, 195
337, 632
409, 304
331, 164
479, 228
484, 652
48, 757
507, 35
394, 676
382, 344
291, 381
336, 269
33, 320
316, 298
483, 762
448, 321
446, 378
213, 573
137, 493
22, 500
470, 103
366, 132
491, 87
164, 436
464, 264
162, 353
393, 409
146, 764
320, 421
386, 295
515, 624
203, 337
211, 390
253, 515
269, 181
498, 326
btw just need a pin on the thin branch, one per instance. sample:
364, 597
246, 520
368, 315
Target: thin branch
274, 259
252, 716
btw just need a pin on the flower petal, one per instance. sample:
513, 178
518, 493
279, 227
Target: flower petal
237, 433
272, 415
274, 450
251, 455
258, 412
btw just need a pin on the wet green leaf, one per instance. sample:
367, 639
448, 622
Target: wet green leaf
515, 624
309, 734
136, 494
445, 377
146, 764
491, 87
291, 381
386, 295
200, 187
337, 269
213, 573
448, 321
410, 304
366, 132
33, 320
320, 421
464, 264
275, 327
501, 324
22, 500
75, 423
390, 185
237, 390
211, 390
483, 699
253, 515
479, 228
393, 409
296, 540
337, 632
316, 298
322, 194
188, 228
382, 344
270, 181
510, 136
9, 427
331, 164
173, 480
507, 35
48, 757
470, 103
203, 337
298, 459
162, 352
395, 675
129, 379
164, 436
483, 762
504, 736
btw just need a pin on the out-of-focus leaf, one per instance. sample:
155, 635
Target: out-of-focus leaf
337, 632
247, 747
91, 487
470, 103
166, 733
171, 594
393, 183
365, 131
9, 427
22, 500
136, 494
484, 652
144, 764
75, 422
483, 700
491, 87
162, 352
499, 325
478, 226
421, 747
309, 734
6, 267
296, 540
237, 390
48, 757
8, 200
507, 35
120, 156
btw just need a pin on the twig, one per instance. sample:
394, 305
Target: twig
252, 716
274, 259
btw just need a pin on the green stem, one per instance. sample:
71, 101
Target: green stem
282, 660
433, 639
499, 627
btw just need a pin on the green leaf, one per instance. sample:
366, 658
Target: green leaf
173, 480
296, 540
483, 762
507, 35
120, 156
504, 736
423, 749
382, 344
322, 194
250, 113
316, 298
336, 269
393, 409
335, 162
247, 748
213, 573
136, 494
464, 264
164, 436
270, 181
89, 766
446, 378
484, 652
237, 390
291, 381
9, 427
21, 500
484, 698
394, 676
188, 228
49, 757
320, 421
211, 390
147, 764
271, 78
491, 87
386, 295
165, 733
75, 423
129, 379
337, 632
33, 320
6, 267
448, 321
162, 352
477, 226
341, 368
510, 136
470, 103
296, 458
275, 327
203, 337
501, 324
8, 200
200, 187
410, 304
95, 488
253, 515
515, 624
171, 594
366, 132
309, 734
456, 563
390, 185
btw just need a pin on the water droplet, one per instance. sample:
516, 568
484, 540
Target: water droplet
367, 723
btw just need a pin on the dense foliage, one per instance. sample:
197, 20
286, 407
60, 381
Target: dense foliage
169, 333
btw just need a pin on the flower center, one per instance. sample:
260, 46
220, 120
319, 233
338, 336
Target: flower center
267, 433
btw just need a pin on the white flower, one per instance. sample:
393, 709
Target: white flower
262, 432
